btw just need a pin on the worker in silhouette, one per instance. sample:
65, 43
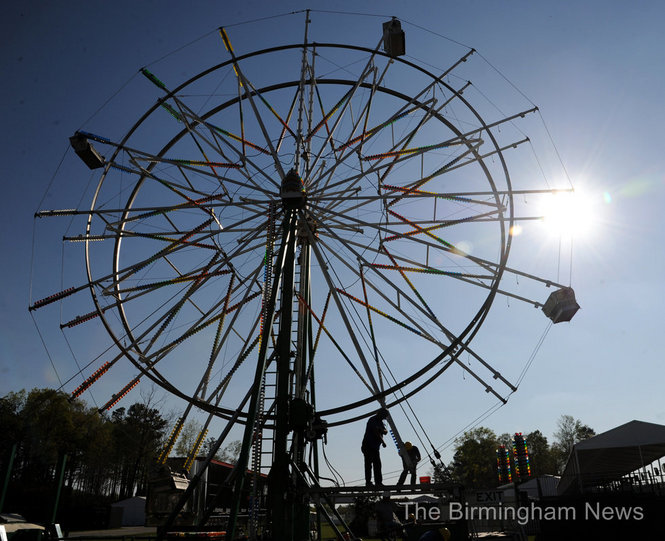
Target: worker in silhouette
371, 445
409, 466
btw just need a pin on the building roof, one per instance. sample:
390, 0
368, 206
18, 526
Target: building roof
613, 454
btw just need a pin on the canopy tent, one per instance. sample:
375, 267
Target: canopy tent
612, 455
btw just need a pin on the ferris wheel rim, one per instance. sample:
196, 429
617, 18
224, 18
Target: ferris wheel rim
472, 328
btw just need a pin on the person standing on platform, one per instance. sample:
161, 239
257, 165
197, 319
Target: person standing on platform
371, 445
413, 453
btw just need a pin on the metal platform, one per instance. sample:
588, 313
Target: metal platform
346, 494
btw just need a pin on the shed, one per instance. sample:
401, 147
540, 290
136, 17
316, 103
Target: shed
133, 511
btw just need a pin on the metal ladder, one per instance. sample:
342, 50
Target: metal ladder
261, 457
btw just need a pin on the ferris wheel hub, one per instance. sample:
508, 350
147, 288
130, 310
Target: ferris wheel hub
293, 191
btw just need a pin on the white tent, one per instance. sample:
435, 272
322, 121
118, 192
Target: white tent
612, 455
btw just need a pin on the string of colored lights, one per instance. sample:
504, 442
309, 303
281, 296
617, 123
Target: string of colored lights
503, 465
406, 151
82, 319
242, 78
159, 84
267, 267
177, 280
206, 164
165, 251
375, 129
157, 236
521, 457
119, 396
381, 313
445, 223
327, 117
371, 329
193, 453
237, 138
237, 364
215, 344
88, 238
199, 328
436, 195
55, 297
169, 185
176, 308
416, 226
173, 437
188, 204
406, 279
94, 377
429, 271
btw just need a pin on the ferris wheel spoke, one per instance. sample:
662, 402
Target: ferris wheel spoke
451, 336
459, 197
446, 168
161, 236
173, 281
427, 312
382, 228
480, 157
457, 162
174, 246
441, 243
417, 230
404, 110
415, 100
378, 167
340, 308
422, 333
344, 104
203, 384
369, 133
415, 327
421, 150
167, 317
249, 343
241, 153
186, 165
185, 111
198, 326
246, 85
150, 364
334, 342
242, 248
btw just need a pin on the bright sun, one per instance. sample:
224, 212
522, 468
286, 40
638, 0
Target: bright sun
569, 214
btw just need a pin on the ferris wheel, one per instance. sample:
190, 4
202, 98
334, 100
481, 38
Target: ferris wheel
298, 235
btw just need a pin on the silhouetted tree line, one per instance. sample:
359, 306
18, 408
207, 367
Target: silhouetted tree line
108, 457
474, 460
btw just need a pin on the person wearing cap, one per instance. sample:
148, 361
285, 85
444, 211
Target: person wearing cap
413, 453
441, 534
371, 445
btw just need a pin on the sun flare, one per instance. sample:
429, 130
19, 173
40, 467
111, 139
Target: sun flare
569, 214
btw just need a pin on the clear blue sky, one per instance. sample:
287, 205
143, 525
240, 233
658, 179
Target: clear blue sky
594, 68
